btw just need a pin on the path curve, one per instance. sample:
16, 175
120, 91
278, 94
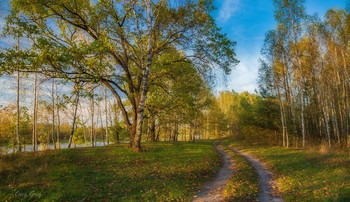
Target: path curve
212, 191
267, 184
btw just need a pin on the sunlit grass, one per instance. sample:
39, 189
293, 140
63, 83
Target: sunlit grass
244, 184
305, 175
165, 171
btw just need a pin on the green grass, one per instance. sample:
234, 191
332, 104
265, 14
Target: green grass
305, 175
164, 172
244, 184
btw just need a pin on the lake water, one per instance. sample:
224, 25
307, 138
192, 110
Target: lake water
42, 147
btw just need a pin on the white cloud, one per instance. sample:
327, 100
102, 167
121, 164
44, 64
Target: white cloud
244, 76
227, 9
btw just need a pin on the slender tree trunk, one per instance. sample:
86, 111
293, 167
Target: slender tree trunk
194, 131
53, 112
74, 119
84, 133
326, 122
190, 133
116, 122
283, 122
158, 133
58, 122
302, 120
106, 114
175, 131
153, 129
335, 124
19, 146
185, 133
35, 110
130, 126
99, 118
92, 131
207, 126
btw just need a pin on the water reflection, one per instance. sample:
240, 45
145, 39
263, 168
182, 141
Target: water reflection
42, 147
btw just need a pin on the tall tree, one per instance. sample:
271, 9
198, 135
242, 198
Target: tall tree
18, 138
306, 67
53, 94
121, 42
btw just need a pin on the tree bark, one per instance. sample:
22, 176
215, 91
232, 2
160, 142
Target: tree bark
144, 82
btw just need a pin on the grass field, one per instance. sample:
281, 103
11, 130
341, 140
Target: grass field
164, 172
305, 175
244, 184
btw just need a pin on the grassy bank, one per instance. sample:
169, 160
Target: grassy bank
305, 175
165, 171
244, 184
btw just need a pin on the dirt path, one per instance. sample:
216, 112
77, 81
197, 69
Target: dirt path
212, 191
267, 185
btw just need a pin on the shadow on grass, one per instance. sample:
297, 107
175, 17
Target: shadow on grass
164, 172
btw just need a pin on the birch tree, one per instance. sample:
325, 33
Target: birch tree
123, 41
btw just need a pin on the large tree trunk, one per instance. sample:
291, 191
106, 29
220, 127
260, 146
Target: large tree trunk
132, 133
144, 82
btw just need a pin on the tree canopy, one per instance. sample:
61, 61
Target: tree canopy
117, 44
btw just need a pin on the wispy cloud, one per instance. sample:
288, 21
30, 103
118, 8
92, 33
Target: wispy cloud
227, 9
244, 76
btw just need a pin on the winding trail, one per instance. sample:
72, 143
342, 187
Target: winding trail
267, 184
212, 191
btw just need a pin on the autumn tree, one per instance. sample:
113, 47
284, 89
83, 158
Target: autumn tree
117, 43
305, 66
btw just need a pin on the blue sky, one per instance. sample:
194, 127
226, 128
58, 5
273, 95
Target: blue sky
246, 22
